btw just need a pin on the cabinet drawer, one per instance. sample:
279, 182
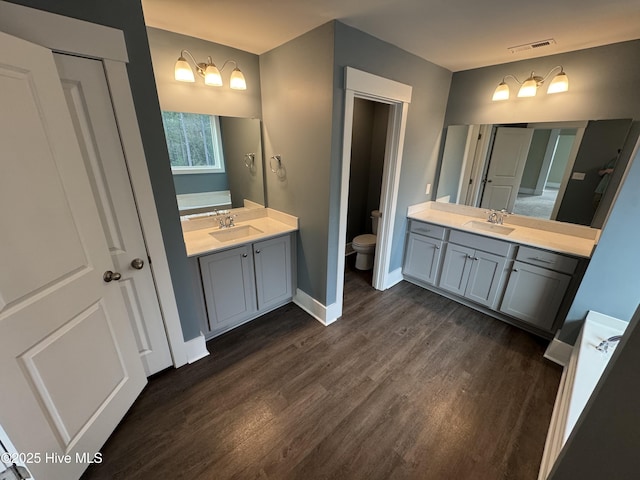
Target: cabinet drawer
427, 229
545, 259
480, 242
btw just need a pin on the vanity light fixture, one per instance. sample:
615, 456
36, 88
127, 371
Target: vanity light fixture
529, 87
211, 74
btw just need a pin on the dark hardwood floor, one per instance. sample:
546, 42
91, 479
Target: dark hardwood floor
406, 385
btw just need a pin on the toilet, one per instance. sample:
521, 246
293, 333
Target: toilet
365, 245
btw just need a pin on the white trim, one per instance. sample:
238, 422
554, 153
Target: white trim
377, 87
63, 34
78, 37
568, 169
196, 348
372, 87
141, 185
314, 308
6, 441
558, 352
393, 278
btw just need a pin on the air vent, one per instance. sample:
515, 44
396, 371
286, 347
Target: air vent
532, 46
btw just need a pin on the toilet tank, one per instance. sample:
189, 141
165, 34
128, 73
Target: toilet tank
375, 217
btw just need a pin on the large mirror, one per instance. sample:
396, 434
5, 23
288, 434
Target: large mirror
564, 171
217, 162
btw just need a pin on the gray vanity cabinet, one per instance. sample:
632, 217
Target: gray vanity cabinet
537, 285
229, 287
273, 271
472, 273
422, 259
243, 282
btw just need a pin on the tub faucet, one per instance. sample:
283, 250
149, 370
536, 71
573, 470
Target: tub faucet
605, 344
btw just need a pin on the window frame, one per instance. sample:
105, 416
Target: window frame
218, 153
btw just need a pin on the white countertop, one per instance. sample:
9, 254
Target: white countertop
559, 237
271, 223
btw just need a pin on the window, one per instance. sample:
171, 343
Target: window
194, 142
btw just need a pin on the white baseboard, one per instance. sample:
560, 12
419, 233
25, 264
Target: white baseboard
196, 348
558, 352
393, 278
325, 315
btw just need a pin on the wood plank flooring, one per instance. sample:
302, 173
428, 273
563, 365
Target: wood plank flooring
406, 385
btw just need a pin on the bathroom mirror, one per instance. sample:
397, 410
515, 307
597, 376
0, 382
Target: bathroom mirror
217, 161
549, 170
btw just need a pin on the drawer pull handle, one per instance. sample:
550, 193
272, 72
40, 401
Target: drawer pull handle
515, 269
437, 247
244, 255
541, 260
257, 251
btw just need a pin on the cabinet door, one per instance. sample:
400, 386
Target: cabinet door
485, 277
534, 294
273, 271
229, 290
455, 268
423, 258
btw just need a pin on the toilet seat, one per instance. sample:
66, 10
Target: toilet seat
364, 241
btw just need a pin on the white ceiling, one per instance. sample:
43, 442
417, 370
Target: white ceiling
455, 34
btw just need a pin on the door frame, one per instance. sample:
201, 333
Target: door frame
78, 37
359, 84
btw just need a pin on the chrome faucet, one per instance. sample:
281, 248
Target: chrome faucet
497, 217
227, 221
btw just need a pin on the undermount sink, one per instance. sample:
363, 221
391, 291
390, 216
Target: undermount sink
235, 233
489, 227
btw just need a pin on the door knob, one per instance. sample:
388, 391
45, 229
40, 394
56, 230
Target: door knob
109, 275
137, 263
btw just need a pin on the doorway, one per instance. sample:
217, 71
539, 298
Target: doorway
368, 145
397, 96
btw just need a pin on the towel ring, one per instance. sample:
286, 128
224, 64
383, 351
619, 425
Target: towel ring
275, 165
249, 160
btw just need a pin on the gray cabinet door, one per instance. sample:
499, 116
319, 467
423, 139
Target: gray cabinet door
229, 288
273, 271
423, 258
534, 294
485, 277
456, 268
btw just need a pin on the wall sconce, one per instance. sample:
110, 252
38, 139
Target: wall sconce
529, 87
208, 71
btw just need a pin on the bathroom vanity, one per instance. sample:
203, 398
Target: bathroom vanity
525, 271
243, 269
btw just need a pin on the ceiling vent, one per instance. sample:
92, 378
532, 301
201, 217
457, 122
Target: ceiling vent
532, 46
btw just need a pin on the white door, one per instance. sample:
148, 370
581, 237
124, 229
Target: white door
506, 166
68, 361
89, 102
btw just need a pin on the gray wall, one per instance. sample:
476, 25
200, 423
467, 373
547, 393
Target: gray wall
603, 83
200, 182
127, 16
239, 137
424, 126
297, 91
